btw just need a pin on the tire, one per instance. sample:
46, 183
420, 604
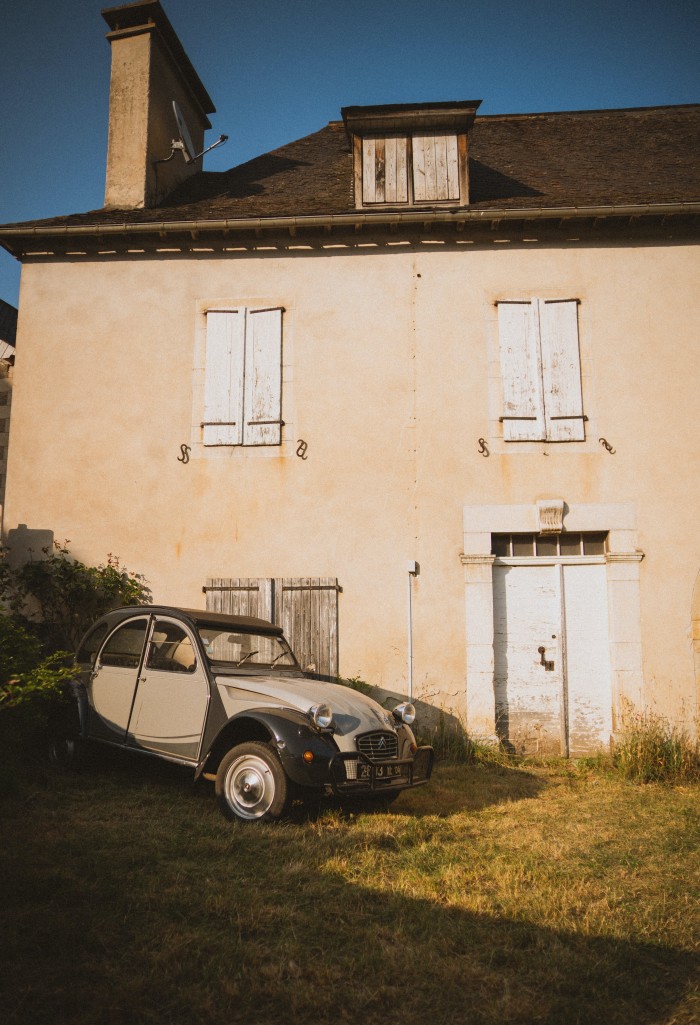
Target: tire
64, 742
251, 785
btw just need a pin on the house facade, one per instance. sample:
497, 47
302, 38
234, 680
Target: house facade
422, 386
8, 336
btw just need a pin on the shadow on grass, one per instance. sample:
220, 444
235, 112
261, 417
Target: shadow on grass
262, 929
127, 898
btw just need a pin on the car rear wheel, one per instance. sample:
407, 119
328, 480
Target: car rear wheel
251, 784
64, 743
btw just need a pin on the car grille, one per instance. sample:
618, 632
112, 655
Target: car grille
378, 746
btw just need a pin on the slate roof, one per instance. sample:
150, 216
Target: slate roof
555, 160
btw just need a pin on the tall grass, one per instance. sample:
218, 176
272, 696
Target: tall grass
650, 749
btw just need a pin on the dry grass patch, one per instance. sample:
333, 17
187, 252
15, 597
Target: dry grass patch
494, 895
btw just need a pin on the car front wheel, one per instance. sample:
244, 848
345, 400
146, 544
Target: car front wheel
251, 784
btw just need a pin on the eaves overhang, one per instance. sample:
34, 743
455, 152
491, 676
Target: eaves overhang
405, 117
18, 240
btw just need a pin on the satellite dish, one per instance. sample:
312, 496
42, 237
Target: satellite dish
188, 150
184, 144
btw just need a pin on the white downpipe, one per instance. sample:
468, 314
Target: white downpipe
413, 571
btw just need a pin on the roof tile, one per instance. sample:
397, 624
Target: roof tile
562, 159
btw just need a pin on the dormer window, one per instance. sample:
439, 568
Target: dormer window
406, 155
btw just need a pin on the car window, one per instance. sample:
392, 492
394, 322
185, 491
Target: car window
124, 647
241, 647
171, 649
91, 644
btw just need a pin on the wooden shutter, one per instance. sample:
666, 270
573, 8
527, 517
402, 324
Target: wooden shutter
369, 172
305, 607
521, 375
435, 167
561, 370
384, 177
240, 596
263, 378
223, 378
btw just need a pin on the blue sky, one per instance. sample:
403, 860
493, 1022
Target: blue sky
279, 69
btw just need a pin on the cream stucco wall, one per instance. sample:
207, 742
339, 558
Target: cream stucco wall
391, 378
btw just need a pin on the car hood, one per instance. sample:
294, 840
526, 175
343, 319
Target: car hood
353, 712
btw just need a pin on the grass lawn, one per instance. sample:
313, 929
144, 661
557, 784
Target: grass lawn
495, 894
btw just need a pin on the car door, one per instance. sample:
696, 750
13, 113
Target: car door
172, 696
113, 681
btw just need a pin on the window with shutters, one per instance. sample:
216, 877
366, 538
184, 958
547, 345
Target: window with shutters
540, 370
413, 169
243, 377
411, 154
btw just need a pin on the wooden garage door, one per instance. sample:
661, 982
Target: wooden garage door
305, 607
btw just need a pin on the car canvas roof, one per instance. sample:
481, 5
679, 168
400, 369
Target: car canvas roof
202, 617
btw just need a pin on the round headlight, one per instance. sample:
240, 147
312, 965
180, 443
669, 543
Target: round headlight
321, 716
405, 713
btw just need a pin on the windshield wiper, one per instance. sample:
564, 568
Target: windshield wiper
277, 658
245, 658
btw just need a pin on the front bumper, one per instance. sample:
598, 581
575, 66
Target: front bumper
355, 774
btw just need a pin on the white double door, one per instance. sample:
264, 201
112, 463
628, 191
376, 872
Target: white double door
551, 649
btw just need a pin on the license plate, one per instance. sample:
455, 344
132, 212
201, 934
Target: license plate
380, 773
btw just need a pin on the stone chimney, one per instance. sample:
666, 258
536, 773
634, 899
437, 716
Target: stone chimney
150, 70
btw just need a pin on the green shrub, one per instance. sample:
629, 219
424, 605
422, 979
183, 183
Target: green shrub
50, 602
29, 680
356, 683
58, 597
650, 749
20, 650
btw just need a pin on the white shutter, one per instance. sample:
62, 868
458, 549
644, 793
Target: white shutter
223, 378
561, 370
263, 378
521, 375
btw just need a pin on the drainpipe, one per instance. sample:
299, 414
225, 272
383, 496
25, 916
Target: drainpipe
413, 571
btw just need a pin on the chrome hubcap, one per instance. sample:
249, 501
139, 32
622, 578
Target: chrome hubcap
250, 788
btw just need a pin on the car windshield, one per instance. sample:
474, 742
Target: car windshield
239, 647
